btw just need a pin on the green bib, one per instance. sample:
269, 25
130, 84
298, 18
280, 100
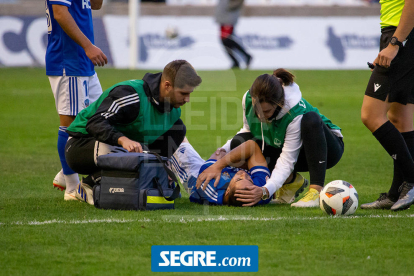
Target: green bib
147, 127
274, 133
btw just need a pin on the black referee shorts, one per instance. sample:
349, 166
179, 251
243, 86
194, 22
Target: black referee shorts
397, 81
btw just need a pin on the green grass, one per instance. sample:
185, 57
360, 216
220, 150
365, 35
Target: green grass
291, 241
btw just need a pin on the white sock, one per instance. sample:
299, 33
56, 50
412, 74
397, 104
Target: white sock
72, 180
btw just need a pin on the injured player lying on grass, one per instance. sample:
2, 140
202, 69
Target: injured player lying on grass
222, 179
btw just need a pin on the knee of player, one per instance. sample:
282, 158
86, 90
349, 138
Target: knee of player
365, 118
370, 120
402, 124
368, 117
371, 114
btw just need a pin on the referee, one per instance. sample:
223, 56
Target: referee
388, 106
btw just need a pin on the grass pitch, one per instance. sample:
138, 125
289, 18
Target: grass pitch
43, 235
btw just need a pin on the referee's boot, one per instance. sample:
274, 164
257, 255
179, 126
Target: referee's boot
406, 197
383, 202
290, 191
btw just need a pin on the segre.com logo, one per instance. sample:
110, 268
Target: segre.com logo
208, 258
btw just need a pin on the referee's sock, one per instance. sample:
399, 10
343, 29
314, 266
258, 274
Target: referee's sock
398, 178
393, 142
71, 178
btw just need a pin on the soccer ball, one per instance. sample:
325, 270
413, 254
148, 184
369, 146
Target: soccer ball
171, 32
338, 198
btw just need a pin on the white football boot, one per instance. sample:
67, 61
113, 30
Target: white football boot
84, 193
70, 195
59, 181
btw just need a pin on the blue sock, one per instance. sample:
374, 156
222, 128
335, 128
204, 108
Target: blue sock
62, 139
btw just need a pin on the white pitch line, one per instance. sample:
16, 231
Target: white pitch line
54, 221
192, 219
186, 219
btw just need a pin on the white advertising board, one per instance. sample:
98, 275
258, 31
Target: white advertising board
290, 42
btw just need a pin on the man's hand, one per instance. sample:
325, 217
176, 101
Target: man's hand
95, 54
250, 196
69, 26
385, 57
129, 145
212, 172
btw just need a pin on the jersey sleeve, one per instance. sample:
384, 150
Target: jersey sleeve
288, 158
66, 3
211, 194
259, 175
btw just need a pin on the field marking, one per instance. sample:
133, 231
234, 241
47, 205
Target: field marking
191, 218
54, 221
187, 219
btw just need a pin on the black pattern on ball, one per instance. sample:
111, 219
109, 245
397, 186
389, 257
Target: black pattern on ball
347, 205
333, 191
328, 209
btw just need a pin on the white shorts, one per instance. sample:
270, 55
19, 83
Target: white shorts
72, 94
186, 164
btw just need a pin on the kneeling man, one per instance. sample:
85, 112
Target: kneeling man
130, 116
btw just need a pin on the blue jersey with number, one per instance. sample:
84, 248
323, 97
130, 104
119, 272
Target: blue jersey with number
215, 195
62, 52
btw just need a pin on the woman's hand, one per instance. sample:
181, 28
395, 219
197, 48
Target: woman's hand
250, 195
212, 172
385, 57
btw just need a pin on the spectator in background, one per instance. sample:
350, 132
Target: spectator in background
70, 59
227, 14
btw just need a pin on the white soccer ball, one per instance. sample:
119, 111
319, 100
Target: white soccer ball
339, 198
171, 32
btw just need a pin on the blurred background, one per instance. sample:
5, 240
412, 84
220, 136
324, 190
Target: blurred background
210, 34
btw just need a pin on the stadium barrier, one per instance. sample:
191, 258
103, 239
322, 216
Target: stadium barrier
291, 42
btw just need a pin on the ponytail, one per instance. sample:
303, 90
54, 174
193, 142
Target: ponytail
286, 77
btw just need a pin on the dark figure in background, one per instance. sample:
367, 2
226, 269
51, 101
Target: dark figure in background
227, 14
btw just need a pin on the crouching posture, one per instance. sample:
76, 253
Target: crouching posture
130, 116
293, 135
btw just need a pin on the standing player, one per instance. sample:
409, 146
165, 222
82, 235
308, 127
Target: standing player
388, 106
70, 59
227, 14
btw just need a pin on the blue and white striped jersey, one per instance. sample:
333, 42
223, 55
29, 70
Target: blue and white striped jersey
62, 52
215, 195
